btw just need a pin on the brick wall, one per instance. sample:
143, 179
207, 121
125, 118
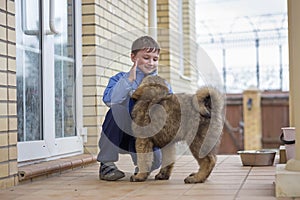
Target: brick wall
8, 98
169, 37
108, 30
189, 43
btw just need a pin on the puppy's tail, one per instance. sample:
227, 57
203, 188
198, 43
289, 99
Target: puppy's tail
209, 101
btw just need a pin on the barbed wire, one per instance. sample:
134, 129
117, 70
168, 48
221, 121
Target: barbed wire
249, 32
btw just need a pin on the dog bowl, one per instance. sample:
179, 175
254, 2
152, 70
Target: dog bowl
257, 157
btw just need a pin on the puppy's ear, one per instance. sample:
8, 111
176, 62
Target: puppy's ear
150, 91
138, 93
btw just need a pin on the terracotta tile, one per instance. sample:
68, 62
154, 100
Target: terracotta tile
214, 186
149, 197
256, 192
257, 187
213, 197
157, 193
259, 181
229, 180
218, 192
261, 177
256, 198
9, 194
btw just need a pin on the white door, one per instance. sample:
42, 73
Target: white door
48, 62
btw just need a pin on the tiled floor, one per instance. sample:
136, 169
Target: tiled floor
229, 180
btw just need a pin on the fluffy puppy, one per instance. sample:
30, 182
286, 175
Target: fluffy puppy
161, 119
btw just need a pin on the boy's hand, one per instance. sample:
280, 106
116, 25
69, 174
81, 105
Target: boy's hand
132, 72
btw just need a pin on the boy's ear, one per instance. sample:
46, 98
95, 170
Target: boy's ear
133, 58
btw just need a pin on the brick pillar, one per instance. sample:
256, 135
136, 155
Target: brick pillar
252, 119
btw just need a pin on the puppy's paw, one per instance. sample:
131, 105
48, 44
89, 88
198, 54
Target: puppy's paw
192, 174
162, 176
194, 179
140, 177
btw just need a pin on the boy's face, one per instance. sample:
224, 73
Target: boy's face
147, 62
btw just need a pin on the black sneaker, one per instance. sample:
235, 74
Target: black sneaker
110, 172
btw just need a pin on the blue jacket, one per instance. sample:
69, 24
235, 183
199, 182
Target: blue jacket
119, 89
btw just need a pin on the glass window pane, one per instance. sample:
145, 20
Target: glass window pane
64, 70
64, 99
64, 40
28, 61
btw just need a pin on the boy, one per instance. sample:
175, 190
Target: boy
116, 134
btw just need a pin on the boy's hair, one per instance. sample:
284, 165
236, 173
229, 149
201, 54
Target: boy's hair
145, 43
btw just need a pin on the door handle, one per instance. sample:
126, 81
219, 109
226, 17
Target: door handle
24, 21
51, 19
52, 30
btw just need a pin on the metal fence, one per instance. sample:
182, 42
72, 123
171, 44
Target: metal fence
248, 51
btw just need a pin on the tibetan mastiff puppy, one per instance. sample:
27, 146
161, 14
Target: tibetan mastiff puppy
161, 119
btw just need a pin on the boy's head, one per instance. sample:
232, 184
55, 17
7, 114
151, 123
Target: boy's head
145, 43
145, 51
